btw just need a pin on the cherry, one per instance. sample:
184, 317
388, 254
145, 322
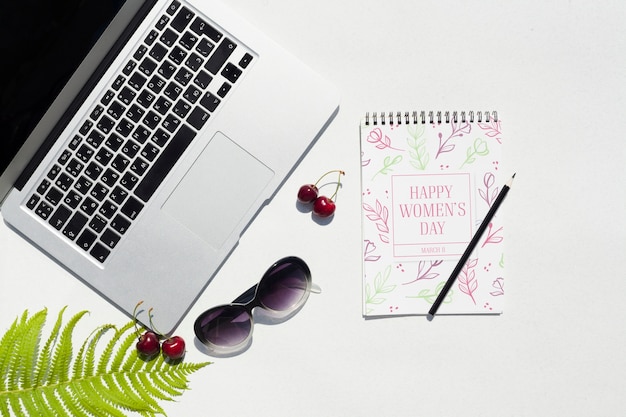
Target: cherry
148, 344
323, 207
174, 348
307, 193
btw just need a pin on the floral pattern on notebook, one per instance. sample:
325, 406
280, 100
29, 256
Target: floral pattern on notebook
425, 189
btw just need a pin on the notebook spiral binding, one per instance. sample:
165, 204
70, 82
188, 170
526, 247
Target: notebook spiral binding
430, 117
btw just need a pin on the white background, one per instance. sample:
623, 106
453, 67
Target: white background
556, 73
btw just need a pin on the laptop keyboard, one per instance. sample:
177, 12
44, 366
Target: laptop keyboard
139, 128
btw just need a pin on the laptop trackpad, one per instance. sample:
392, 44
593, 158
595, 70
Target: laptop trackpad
218, 190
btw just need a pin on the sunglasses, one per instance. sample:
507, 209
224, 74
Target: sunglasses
281, 292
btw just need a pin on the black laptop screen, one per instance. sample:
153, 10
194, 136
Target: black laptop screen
43, 42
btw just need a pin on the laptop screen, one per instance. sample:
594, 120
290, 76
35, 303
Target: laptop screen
44, 42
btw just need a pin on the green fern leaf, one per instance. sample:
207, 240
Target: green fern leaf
112, 381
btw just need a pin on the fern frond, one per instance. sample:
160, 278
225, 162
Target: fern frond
48, 380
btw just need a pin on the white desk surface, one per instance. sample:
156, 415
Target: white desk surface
556, 72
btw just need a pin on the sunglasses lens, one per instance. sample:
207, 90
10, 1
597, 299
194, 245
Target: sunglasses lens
225, 326
285, 286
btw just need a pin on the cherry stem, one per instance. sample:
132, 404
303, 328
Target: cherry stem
330, 172
135, 318
152, 326
338, 184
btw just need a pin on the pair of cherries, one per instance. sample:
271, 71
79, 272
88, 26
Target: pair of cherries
149, 343
322, 206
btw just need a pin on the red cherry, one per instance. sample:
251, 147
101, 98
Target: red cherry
148, 344
323, 207
174, 347
307, 193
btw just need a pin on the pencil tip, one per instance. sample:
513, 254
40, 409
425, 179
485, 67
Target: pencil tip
514, 175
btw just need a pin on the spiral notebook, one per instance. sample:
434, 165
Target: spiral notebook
428, 179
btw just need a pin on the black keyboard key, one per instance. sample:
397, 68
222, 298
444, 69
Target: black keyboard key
66, 155
60, 217
220, 55
107, 97
44, 210
137, 81
162, 105
124, 127
210, 102
120, 224
135, 113
167, 69
108, 209
54, 196
32, 201
168, 37
130, 66
203, 79
224, 89
194, 62
118, 83
43, 187
110, 238
171, 9
171, 123
93, 170
188, 40
114, 142
82, 185
103, 156
99, 252
84, 153
72, 199
132, 208
86, 127
151, 37
245, 61
89, 206
129, 181
64, 182
74, 167
86, 239
205, 47
109, 177
156, 84
106, 124
120, 163
158, 52
147, 66
139, 166
97, 224
198, 118
203, 28
173, 90
118, 195
97, 112
126, 95
231, 72
178, 144
141, 51
177, 55
75, 225
95, 139
152, 120
150, 152
162, 22
130, 148
141, 134
183, 76
182, 19
99, 191
182, 108
192, 94
146, 98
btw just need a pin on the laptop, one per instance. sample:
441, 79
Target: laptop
141, 137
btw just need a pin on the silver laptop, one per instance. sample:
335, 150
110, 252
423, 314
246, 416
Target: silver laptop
140, 169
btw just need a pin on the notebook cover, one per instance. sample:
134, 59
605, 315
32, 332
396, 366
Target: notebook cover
427, 182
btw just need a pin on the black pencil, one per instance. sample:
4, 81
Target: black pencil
470, 247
